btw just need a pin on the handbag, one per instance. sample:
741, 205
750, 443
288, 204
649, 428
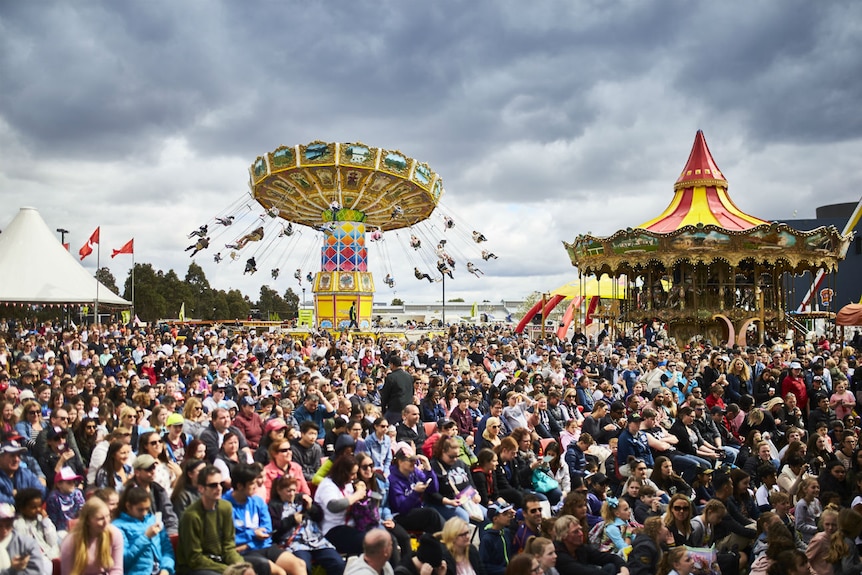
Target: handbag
543, 483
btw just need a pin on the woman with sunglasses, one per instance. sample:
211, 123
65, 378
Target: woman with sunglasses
194, 418
31, 422
281, 463
167, 471
374, 510
86, 435
678, 519
491, 436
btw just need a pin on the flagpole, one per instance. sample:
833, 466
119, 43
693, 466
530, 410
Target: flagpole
98, 260
133, 286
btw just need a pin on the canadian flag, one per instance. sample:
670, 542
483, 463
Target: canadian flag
87, 248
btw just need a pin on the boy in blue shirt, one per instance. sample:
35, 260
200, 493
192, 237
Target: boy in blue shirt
253, 525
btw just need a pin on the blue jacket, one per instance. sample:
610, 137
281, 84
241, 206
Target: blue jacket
636, 446
380, 451
495, 550
576, 460
301, 414
140, 551
249, 516
21, 479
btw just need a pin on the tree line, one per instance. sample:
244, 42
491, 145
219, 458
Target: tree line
160, 294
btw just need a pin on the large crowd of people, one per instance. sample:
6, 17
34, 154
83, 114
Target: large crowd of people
479, 451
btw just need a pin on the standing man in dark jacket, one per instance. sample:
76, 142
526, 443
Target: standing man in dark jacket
397, 392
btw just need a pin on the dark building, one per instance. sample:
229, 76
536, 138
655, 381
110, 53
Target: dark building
847, 283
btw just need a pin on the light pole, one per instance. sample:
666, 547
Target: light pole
62, 232
443, 275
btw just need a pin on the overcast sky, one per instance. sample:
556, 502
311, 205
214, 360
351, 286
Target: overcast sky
544, 119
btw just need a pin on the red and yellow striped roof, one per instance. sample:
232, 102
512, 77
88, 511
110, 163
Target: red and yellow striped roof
700, 197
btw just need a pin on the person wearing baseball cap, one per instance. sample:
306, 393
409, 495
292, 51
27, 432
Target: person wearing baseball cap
175, 439
794, 382
13, 477
495, 542
144, 469
65, 500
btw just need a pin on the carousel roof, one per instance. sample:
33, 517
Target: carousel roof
700, 197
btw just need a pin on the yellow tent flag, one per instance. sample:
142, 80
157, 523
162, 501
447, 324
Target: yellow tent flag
126, 316
183, 312
474, 311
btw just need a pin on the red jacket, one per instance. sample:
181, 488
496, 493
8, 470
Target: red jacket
251, 427
797, 386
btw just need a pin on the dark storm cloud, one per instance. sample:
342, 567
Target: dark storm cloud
566, 116
793, 69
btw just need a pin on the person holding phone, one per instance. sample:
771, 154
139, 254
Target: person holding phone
23, 554
146, 547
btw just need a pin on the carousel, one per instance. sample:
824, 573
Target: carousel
704, 267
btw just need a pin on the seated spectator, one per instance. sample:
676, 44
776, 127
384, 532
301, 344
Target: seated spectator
94, 546
575, 557
335, 495
21, 551
186, 489
295, 527
461, 557
253, 526
65, 501
35, 523
281, 463
144, 470
495, 542
12, 476
647, 505
147, 549
377, 550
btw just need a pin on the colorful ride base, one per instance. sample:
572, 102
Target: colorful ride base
336, 291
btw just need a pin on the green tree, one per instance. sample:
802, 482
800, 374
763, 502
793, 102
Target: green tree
271, 304
150, 304
200, 293
238, 305
457, 300
291, 299
397, 301
106, 278
177, 293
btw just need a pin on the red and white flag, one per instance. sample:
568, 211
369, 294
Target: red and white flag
87, 248
128, 248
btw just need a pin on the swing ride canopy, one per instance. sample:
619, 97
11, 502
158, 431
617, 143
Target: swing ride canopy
366, 184
36, 268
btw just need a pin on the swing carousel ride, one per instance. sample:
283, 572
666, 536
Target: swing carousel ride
340, 196
703, 266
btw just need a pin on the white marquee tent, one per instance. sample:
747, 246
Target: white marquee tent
36, 268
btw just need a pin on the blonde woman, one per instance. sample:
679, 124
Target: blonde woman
738, 374
491, 435
94, 546
461, 557
194, 418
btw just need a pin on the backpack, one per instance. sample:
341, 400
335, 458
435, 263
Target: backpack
597, 533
